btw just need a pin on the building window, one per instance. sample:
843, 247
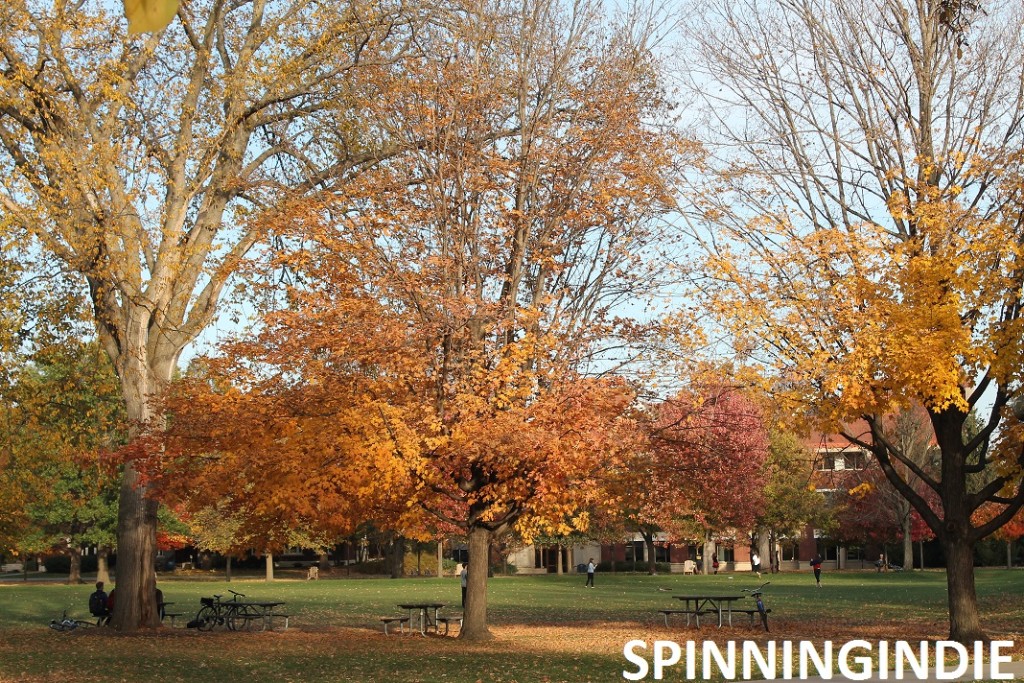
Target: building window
855, 460
842, 460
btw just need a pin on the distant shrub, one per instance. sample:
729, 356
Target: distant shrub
61, 564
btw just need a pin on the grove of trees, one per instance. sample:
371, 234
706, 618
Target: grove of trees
465, 249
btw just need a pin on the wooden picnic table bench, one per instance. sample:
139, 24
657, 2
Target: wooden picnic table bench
695, 613
402, 620
447, 620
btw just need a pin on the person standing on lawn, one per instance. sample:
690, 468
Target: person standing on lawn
591, 568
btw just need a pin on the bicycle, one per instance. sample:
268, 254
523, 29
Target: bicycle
232, 614
756, 593
66, 623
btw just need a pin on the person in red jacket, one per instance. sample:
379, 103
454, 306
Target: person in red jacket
816, 566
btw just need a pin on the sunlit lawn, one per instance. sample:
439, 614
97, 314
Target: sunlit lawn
546, 628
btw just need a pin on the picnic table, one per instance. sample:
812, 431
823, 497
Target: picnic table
698, 605
262, 611
426, 611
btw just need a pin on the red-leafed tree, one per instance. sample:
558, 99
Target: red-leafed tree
1008, 533
698, 469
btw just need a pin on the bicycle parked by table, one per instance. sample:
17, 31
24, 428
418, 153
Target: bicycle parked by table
756, 593
233, 614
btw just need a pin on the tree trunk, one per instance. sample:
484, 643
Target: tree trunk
908, 543
474, 623
709, 550
227, 569
964, 621
440, 559
135, 606
398, 557
652, 565
558, 560
103, 564
75, 570
270, 566
764, 549
920, 547
324, 562
1009, 554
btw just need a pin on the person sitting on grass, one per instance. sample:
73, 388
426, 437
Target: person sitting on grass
99, 604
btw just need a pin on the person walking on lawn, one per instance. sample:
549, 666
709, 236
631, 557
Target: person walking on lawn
591, 568
816, 566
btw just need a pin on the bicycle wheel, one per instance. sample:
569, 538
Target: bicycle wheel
207, 618
245, 618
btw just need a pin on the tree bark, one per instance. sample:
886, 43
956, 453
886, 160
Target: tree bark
397, 557
652, 565
964, 621
709, 550
103, 564
764, 549
227, 568
75, 570
474, 622
135, 606
908, 543
270, 567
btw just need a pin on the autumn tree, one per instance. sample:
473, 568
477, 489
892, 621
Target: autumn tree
66, 422
136, 161
696, 469
443, 313
862, 219
791, 501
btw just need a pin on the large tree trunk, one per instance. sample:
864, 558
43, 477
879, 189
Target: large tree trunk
270, 566
709, 550
227, 568
398, 557
103, 564
474, 622
908, 543
764, 549
652, 565
964, 621
75, 570
135, 606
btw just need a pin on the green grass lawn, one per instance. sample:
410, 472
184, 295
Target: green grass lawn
547, 628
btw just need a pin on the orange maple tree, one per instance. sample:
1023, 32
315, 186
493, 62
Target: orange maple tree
430, 362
